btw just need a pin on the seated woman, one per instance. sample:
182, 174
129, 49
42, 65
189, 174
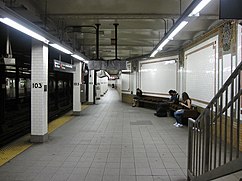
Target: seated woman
137, 97
186, 104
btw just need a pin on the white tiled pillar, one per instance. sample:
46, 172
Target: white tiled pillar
77, 89
90, 88
39, 93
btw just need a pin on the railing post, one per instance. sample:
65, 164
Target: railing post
207, 140
190, 141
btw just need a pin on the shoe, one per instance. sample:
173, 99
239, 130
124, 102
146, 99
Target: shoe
133, 105
155, 114
179, 125
175, 123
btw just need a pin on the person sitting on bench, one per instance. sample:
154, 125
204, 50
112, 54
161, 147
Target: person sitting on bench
186, 104
162, 107
137, 97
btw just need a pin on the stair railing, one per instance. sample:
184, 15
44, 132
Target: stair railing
214, 145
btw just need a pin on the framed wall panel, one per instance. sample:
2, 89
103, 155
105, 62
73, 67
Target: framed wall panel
126, 82
200, 71
158, 77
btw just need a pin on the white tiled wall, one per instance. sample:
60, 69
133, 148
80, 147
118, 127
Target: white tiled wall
39, 101
76, 88
91, 84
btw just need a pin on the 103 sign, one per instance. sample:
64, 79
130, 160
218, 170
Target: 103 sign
37, 85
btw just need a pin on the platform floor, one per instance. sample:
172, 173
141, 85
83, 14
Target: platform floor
110, 141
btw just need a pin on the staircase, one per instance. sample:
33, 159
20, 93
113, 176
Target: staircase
215, 137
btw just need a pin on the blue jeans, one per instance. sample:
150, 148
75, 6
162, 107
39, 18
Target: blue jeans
178, 115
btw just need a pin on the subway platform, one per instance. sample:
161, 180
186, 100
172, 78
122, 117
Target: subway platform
109, 141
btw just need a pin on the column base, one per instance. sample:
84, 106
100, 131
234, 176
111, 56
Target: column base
39, 138
76, 113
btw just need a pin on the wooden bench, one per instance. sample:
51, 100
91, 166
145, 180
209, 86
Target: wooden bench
150, 101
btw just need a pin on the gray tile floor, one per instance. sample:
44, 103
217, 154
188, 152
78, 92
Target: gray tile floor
110, 141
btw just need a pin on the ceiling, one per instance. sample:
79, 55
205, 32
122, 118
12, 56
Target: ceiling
142, 23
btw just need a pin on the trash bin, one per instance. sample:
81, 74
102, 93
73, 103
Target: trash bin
98, 91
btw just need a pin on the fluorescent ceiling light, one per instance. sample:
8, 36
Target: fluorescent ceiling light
179, 27
199, 7
170, 62
79, 58
126, 71
160, 47
23, 29
163, 44
154, 53
58, 47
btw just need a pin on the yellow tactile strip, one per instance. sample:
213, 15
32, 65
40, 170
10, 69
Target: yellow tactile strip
53, 125
13, 149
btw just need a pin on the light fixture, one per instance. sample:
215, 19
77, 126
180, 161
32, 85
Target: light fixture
178, 28
23, 29
170, 62
160, 47
163, 44
79, 58
58, 47
170, 37
199, 7
154, 53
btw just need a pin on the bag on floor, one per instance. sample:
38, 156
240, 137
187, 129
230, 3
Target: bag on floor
161, 112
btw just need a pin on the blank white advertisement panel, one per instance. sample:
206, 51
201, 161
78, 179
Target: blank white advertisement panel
200, 71
125, 82
158, 77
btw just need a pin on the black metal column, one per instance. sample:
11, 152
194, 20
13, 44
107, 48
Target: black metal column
97, 40
97, 58
2, 92
116, 40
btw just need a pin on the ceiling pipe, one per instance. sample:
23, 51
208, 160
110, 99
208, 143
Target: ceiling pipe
82, 26
165, 25
116, 40
167, 21
45, 17
180, 8
173, 21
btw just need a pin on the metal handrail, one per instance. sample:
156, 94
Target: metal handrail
214, 148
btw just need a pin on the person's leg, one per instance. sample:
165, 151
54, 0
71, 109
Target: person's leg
178, 115
134, 103
179, 118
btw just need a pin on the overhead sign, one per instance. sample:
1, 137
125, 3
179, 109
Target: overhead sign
9, 61
107, 65
64, 67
